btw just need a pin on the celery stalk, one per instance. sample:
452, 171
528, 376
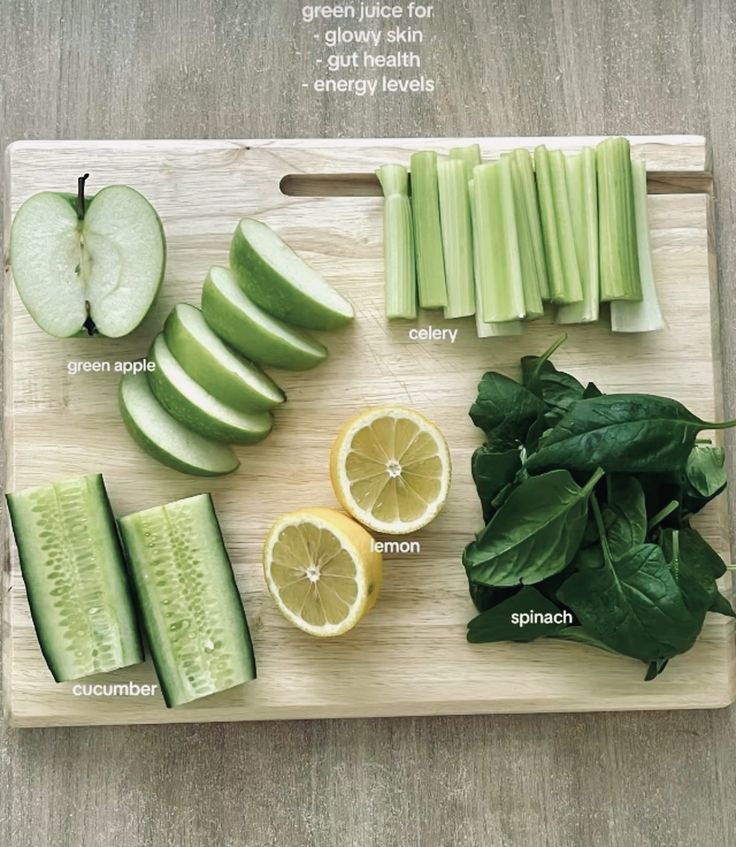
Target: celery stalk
457, 238
645, 316
469, 155
583, 196
398, 243
557, 230
525, 197
499, 263
533, 305
425, 205
619, 264
485, 329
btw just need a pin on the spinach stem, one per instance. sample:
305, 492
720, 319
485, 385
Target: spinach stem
662, 514
675, 563
593, 481
720, 424
601, 529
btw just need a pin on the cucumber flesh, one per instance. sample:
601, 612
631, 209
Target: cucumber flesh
210, 362
280, 282
188, 600
196, 408
251, 330
75, 577
164, 438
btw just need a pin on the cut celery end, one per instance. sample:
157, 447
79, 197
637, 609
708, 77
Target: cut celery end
398, 244
525, 196
499, 264
582, 193
469, 156
646, 315
457, 239
533, 306
486, 329
425, 206
557, 228
619, 264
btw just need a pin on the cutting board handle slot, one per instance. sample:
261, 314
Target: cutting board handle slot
330, 185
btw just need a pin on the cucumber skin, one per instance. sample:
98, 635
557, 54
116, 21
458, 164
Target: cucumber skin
125, 603
159, 453
180, 407
240, 332
137, 566
205, 369
270, 290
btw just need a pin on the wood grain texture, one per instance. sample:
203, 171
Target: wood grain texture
74, 68
410, 656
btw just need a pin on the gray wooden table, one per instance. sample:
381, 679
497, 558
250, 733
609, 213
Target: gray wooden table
210, 68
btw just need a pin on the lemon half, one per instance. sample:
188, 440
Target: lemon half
390, 468
321, 570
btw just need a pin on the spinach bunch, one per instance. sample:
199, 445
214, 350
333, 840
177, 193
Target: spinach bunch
588, 500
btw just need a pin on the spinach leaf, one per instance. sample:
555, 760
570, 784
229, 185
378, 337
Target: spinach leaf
592, 390
486, 596
492, 472
722, 606
633, 605
505, 411
621, 433
655, 669
695, 565
579, 635
498, 623
625, 513
534, 534
705, 477
558, 390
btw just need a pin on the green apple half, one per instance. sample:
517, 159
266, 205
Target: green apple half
275, 278
211, 363
253, 332
164, 438
87, 266
195, 407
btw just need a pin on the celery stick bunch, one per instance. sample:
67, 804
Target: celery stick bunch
498, 239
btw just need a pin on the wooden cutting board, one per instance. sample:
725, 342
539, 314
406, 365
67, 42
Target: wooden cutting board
409, 656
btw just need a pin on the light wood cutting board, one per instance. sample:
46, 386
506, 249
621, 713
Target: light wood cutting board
409, 656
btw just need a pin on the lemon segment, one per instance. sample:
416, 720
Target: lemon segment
390, 468
321, 570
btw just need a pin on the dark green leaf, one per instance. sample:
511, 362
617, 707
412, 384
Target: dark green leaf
486, 597
722, 606
580, 636
625, 513
492, 472
634, 605
592, 390
558, 390
695, 565
504, 622
504, 410
625, 433
705, 477
655, 669
534, 534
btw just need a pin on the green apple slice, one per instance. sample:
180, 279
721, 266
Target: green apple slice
275, 278
195, 407
253, 332
211, 363
164, 438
